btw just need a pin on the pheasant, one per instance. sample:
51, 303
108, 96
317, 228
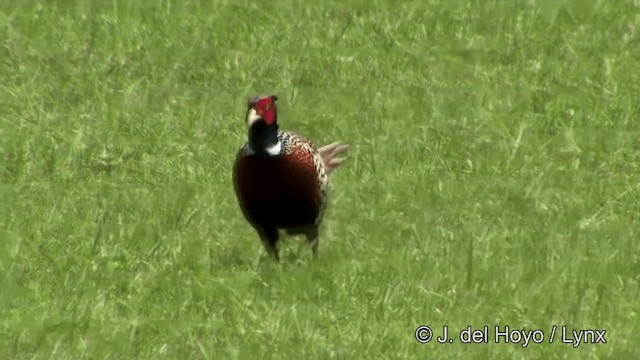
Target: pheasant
281, 179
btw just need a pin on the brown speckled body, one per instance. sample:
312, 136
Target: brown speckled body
287, 191
279, 191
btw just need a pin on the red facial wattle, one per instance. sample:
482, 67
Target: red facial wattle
269, 116
265, 108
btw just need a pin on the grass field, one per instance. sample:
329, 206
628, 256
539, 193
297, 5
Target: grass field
493, 177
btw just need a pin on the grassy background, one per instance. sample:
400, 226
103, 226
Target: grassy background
493, 177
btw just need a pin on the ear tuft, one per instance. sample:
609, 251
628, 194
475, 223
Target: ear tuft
274, 97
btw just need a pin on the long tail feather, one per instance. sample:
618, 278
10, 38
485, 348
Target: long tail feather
329, 154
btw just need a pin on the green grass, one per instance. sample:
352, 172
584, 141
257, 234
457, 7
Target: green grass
493, 177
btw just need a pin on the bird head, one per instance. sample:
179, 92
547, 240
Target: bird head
262, 108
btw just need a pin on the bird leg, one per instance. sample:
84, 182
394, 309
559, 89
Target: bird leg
313, 238
269, 238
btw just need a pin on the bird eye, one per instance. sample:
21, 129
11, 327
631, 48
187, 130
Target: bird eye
266, 107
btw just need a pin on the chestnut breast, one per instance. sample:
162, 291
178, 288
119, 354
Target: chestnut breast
281, 189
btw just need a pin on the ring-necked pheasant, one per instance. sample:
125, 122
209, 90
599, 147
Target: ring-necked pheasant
280, 178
